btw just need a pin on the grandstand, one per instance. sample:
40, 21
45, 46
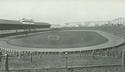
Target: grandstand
14, 24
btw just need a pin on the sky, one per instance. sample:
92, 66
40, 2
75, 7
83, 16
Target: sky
62, 11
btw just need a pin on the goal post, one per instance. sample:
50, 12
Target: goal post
53, 37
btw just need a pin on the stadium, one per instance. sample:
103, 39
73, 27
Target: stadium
32, 47
62, 41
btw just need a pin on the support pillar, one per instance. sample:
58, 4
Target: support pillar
31, 58
6, 62
123, 61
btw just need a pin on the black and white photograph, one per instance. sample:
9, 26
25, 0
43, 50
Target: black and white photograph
62, 35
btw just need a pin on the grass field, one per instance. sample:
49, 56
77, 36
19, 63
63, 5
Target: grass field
59, 39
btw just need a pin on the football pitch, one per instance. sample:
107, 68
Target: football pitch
59, 39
